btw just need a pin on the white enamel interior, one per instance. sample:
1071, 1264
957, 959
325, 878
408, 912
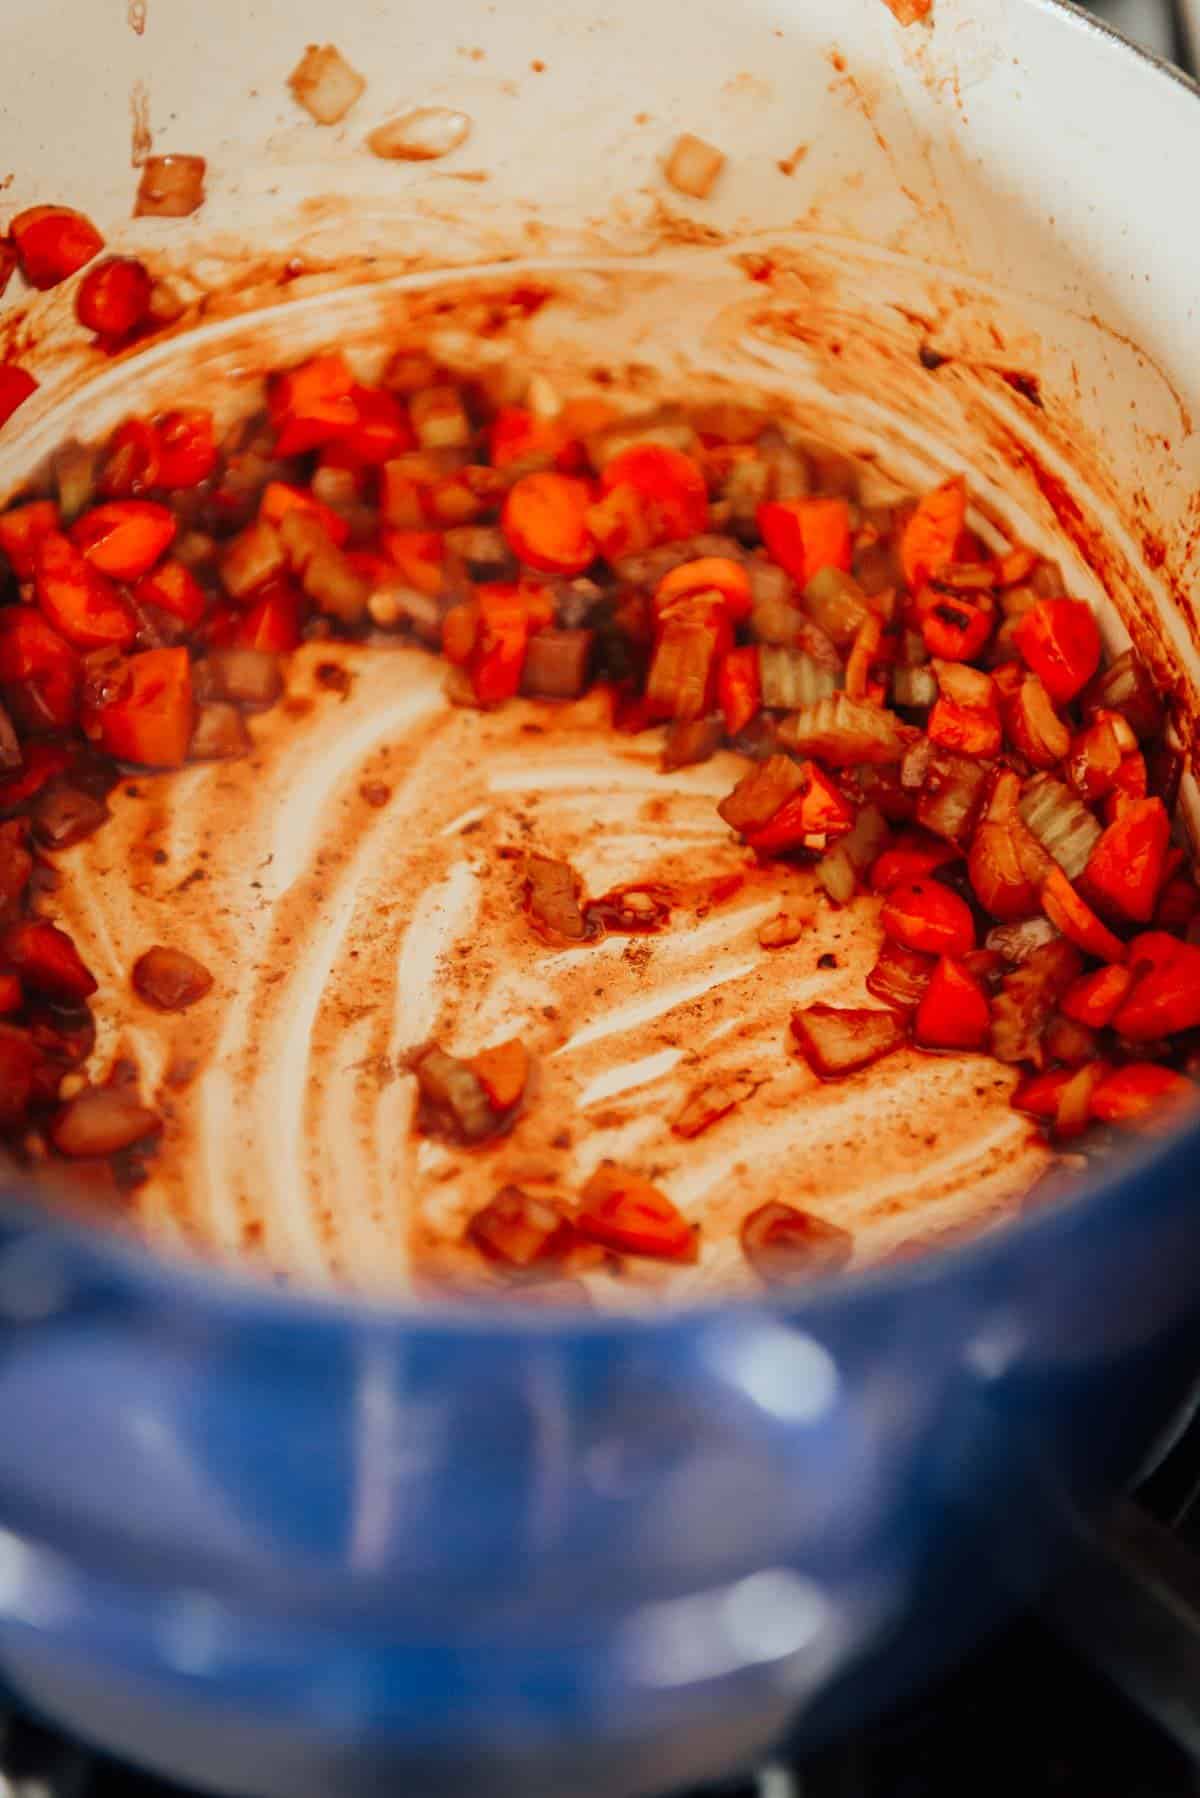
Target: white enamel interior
963, 187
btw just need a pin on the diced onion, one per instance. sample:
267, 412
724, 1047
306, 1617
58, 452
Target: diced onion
171, 187
421, 135
693, 166
325, 84
836, 1041
838, 604
914, 686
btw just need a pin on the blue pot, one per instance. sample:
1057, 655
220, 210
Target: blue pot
276, 1545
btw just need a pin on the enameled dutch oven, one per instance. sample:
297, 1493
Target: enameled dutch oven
278, 1543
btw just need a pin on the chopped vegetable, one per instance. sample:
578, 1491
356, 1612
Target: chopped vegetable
928, 917
1125, 870
102, 1120
1137, 1094
53, 243
1026, 997
791, 678
325, 84
625, 1212
545, 522
739, 688
421, 135
148, 716
47, 960
900, 976
847, 732
1061, 823
1060, 641
815, 810
125, 538
953, 1012
171, 187
114, 297
1165, 996
806, 535
670, 493
552, 892
170, 979
930, 538
782, 1243
16, 386
709, 1103
520, 1229
503, 1072
693, 166
837, 1040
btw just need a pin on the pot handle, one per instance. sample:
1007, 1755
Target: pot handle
1128, 1603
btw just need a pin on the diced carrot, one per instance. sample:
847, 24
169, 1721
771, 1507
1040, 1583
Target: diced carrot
1039, 1095
926, 916
174, 589
22, 529
47, 960
717, 574
42, 762
625, 1212
670, 487
312, 405
502, 638
12, 996
39, 669
739, 688
1094, 999
16, 385
418, 556
280, 497
864, 651
544, 521
124, 538
114, 297
503, 1072
460, 627
1139, 1092
1077, 921
969, 729
954, 1012
816, 808
1165, 995
187, 450
80, 602
955, 629
149, 718
1125, 869
273, 621
930, 538
134, 461
806, 535
912, 855
381, 430
518, 435
52, 243
1060, 641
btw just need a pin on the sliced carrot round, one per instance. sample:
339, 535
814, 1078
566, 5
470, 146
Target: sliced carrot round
719, 574
928, 917
670, 486
1077, 921
544, 521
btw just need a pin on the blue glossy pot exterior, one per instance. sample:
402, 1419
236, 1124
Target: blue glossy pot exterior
279, 1546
